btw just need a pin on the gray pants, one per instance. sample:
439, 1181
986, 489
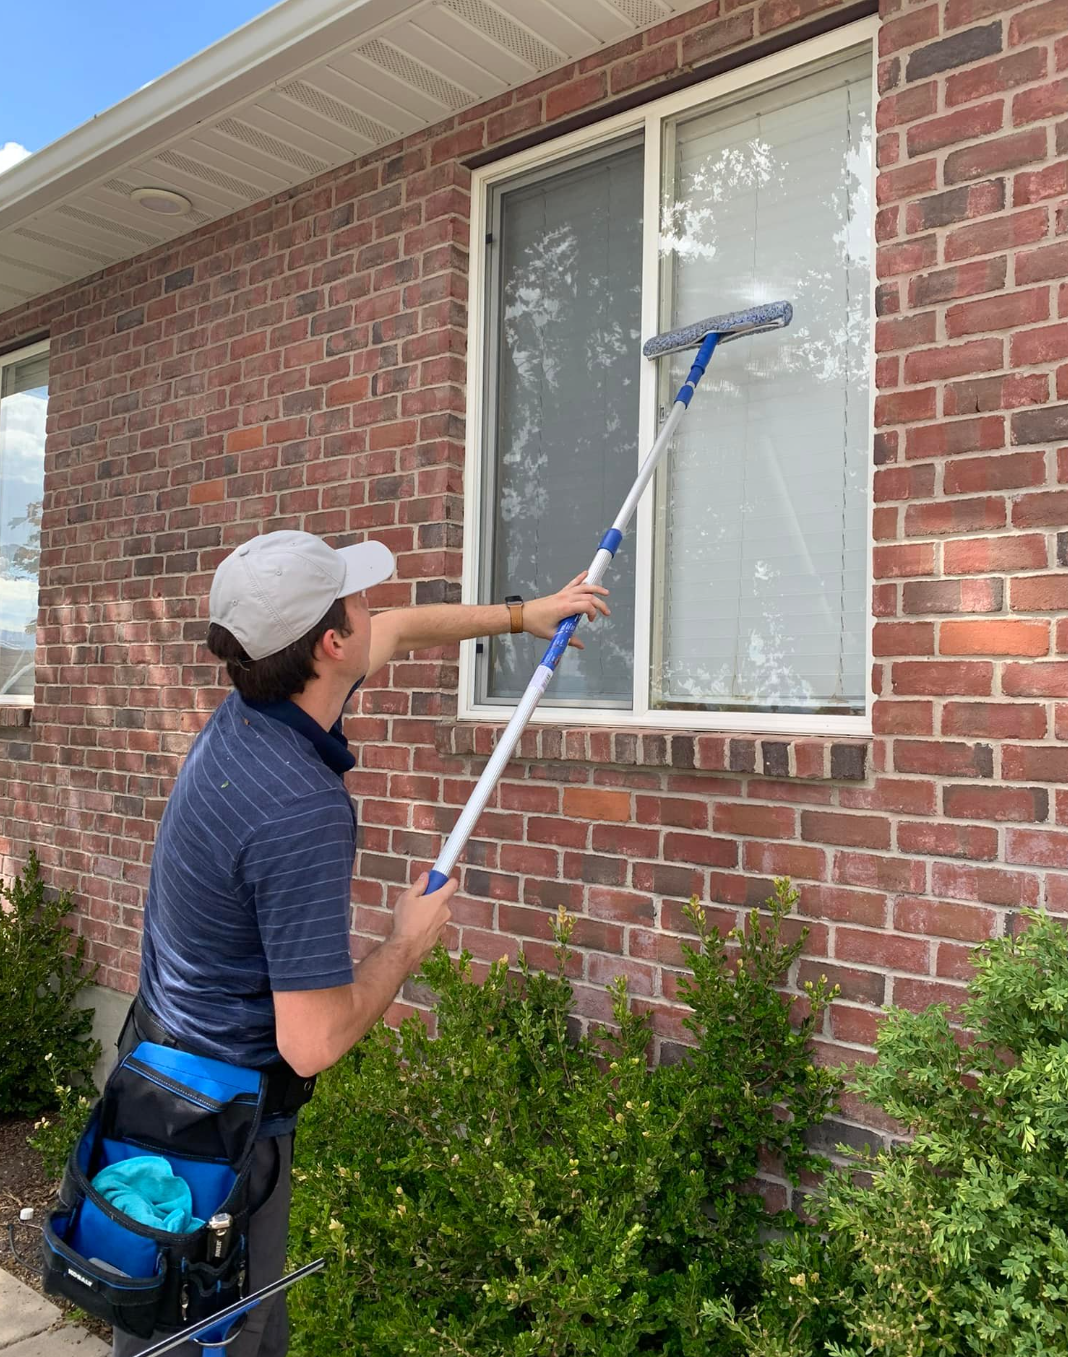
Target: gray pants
266, 1331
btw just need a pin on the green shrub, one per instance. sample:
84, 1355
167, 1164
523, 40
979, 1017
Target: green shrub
54, 1136
508, 1188
44, 1037
956, 1243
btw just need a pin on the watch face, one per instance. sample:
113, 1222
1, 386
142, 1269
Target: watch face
513, 598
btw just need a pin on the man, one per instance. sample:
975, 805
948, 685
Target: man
246, 942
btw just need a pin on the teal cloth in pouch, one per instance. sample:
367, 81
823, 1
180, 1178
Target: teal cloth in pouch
147, 1189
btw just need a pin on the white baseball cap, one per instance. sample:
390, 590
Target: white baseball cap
272, 590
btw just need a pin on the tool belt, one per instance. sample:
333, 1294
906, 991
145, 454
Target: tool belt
286, 1091
202, 1116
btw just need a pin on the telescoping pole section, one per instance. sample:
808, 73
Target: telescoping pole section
706, 335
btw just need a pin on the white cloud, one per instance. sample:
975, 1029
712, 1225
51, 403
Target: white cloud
18, 603
22, 439
10, 154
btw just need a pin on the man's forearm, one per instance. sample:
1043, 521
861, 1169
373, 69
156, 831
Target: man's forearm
442, 624
377, 980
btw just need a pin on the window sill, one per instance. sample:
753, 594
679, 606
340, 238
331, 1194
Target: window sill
13, 717
814, 758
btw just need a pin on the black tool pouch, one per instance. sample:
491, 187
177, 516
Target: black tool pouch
202, 1116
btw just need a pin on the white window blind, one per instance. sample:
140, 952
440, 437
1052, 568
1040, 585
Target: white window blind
761, 551
564, 313
23, 405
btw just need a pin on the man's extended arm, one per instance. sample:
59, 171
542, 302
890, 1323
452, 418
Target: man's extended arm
402, 630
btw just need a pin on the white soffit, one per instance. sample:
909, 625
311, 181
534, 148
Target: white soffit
306, 87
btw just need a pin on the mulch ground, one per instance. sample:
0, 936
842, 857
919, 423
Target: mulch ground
23, 1182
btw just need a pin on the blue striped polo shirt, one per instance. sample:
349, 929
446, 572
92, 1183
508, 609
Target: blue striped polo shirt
251, 878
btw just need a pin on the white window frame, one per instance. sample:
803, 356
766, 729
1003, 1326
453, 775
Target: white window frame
7, 360
650, 119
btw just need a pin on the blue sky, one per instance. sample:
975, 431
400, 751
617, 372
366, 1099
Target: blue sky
68, 60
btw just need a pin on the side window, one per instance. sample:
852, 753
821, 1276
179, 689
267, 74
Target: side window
23, 406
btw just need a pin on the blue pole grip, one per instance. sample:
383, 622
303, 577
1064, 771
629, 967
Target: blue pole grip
697, 371
437, 880
558, 644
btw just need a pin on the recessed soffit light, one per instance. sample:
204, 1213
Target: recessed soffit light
163, 201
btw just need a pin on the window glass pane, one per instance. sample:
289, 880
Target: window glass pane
762, 511
564, 340
23, 401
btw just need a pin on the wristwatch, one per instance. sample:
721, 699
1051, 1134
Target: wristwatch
514, 603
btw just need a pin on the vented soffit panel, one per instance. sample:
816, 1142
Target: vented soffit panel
308, 86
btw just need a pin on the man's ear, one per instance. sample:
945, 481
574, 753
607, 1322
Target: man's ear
329, 646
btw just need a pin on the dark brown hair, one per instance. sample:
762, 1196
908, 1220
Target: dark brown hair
275, 677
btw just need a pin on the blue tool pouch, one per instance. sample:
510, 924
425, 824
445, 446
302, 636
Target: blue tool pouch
202, 1116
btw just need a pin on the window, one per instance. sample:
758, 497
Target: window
741, 593
23, 403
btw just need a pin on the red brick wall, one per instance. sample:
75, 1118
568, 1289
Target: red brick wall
301, 364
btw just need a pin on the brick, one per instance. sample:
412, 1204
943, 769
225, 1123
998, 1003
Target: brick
991, 885
997, 721
821, 901
905, 181
1035, 186
860, 986
979, 555
994, 473
942, 678
1044, 509
1034, 763
943, 758
881, 949
1009, 637
1039, 594
975, 842
956, 360
903, 638
997, 234
918, 995
903, 559
995, 155
964, 124
895, 109
952, 596
1035, 680
1036, 847
903, 407
1002, 313
738, 28
961, 49
1046, 101
1037, 22
1018, 68
851, 831
772, 822
583, 803
954, 516
995, 393
575, 95
950, 438
882, 873
955, 204
910, 29
902, 718
962, 280
971, 802
782, 859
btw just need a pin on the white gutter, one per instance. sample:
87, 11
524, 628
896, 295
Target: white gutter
270, 48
